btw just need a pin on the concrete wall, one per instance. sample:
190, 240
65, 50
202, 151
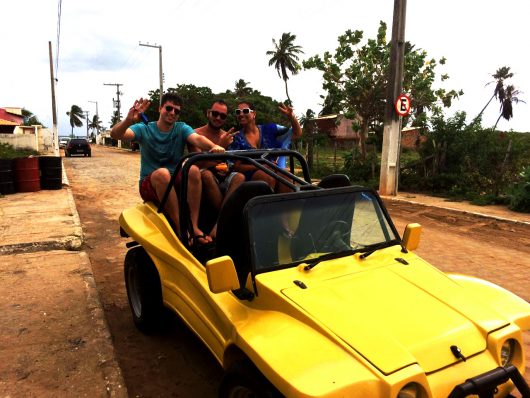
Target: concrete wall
34, 137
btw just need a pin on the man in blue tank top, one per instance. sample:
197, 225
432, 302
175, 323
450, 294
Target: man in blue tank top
161, 147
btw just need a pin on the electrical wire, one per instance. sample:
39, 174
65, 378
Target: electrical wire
59, 9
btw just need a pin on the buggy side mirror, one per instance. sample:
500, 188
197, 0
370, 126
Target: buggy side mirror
221, 274
411, 236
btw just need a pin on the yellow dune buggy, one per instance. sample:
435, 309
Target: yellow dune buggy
313, 293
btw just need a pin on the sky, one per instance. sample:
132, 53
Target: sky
215, 43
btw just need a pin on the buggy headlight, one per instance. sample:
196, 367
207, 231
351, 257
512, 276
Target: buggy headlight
507, 351
411, 390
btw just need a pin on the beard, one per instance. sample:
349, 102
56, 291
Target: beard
217, 128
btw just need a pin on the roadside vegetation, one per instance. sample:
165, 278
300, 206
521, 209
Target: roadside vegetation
9, 152
453, 158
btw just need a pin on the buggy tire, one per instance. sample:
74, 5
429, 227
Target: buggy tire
243, 379
144, 291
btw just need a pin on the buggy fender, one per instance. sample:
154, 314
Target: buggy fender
504, 302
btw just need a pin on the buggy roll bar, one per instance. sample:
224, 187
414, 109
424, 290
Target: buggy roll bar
257, 158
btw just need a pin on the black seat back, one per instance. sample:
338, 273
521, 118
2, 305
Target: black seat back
335, 181
232, 235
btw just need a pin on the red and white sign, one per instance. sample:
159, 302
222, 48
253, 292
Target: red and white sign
402, 105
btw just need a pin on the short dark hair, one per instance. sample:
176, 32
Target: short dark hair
219, 101
250, 104
171, 97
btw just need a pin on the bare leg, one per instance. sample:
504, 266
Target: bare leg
262, 176
237, 180
159, 180
211, 189
194, 201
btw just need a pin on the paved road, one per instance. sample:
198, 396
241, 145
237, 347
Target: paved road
176, 363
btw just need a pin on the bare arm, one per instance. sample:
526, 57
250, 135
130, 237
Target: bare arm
204, 143
121, 130
295, 124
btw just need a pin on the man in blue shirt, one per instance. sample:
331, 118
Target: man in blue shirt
161, 147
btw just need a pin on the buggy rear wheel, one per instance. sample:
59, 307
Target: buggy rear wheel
144, 290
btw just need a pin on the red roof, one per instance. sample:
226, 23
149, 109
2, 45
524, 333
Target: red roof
10, 117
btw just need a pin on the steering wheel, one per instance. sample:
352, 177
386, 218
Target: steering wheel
336, 237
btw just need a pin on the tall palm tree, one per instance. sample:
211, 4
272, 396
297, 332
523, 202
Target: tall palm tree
500, 76
30, 119
95, 124
509, 97
242, 89
309, 129
284, 57
76, 114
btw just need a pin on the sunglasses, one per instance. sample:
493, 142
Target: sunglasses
245, 111
219, 114
170, 108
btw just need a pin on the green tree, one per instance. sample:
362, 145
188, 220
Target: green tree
242, 89
510, 96
76, 115
115, 118
284, 57
309, 129
502, 74
30, 119
355, 78
95, 125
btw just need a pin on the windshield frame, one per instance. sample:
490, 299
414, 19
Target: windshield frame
301, 195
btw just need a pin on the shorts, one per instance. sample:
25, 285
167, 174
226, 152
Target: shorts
147, 191
223, 180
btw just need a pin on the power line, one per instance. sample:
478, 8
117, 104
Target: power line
118, 97
161, 73
59, 8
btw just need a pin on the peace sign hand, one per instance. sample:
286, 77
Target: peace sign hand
226, 138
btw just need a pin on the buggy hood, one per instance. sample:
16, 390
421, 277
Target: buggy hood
398, 315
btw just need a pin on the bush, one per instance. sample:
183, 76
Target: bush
520, 197
364, 172
8, 151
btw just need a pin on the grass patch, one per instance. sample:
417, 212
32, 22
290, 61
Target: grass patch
8, 151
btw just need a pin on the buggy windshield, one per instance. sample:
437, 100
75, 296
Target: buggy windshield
285, 230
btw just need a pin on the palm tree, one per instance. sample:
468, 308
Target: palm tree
95, 124
309, 129
509, 97
242, 89
500, 76
76, 114
284, 57
30, 119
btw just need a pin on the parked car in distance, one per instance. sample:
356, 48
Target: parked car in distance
63, 141
134, 145
78, 146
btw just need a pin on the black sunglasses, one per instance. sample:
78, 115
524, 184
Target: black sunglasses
170, 108
245, 111
219, 114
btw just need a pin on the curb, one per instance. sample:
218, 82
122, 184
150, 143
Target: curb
75, 241
72, 242
451, 209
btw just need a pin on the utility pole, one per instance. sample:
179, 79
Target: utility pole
161, 74
388, 181
118, 96
97, 116
87, 120
54, 110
